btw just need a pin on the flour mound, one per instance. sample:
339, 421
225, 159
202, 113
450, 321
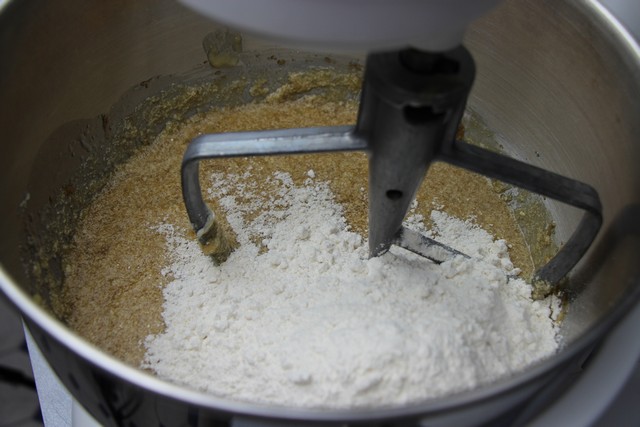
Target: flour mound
299, 316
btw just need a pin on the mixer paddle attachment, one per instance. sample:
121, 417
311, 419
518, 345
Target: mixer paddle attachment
411, 105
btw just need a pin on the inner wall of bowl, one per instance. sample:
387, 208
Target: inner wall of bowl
540, 87
556, 82
65, 64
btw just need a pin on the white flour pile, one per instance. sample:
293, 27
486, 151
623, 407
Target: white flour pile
312, 322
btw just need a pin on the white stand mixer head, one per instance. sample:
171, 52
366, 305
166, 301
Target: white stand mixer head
368, 25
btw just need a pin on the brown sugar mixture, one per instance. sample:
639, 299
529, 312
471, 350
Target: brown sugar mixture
113, 286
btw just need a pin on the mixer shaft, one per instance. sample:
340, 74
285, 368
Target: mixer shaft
412, 103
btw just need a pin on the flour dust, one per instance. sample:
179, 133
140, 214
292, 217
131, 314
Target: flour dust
299, 316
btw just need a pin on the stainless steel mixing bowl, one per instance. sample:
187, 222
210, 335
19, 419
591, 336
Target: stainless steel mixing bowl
558, 81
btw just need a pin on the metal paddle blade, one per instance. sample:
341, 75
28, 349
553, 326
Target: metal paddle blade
410, 109
422, 245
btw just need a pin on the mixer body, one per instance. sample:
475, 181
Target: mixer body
351, 25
